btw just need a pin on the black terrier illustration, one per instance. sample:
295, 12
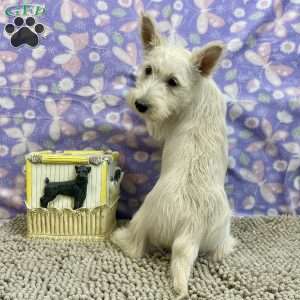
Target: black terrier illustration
74, 188
24, 34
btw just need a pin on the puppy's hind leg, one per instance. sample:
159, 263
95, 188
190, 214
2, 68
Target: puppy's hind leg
184, 253
223, 249
222, 242
131, 239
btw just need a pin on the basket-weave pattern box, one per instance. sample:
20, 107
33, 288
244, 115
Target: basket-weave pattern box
96, 218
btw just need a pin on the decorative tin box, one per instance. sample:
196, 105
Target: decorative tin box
55, 174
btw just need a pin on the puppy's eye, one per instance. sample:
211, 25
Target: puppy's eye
148, 70
172, 82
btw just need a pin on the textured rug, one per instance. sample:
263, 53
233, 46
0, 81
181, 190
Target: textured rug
265, 265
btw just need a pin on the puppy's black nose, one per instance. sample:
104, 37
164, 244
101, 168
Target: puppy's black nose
141, 106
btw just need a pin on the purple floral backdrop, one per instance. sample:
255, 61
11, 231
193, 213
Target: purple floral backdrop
68, 93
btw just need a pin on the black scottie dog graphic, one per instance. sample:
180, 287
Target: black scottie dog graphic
24, 33
74, 188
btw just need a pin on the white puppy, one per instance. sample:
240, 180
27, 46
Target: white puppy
187, 211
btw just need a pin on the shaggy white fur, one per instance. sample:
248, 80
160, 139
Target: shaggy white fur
187, 210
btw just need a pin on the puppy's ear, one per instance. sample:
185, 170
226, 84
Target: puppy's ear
149, 34
206, 59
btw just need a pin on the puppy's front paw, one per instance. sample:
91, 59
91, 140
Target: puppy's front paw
182, 297
180, 289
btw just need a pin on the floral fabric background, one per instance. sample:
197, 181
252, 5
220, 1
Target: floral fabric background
68, 93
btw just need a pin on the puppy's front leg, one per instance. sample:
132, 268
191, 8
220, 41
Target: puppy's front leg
184, 253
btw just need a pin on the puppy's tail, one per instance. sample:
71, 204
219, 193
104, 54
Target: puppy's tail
47, 180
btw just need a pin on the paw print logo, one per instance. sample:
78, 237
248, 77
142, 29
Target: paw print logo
24, 32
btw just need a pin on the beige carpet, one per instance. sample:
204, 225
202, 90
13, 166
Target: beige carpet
266, 265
